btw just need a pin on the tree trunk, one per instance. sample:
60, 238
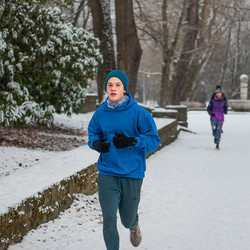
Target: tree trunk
128, 46
78, 12
188, 65
103, 30
168, 52
165, 57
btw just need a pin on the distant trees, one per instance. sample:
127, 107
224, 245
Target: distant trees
45, 64
233, 46
200, 42
183, 31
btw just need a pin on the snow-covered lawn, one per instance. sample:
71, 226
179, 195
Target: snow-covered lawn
15, 159
193, 197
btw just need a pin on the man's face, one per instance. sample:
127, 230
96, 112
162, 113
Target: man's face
115, 89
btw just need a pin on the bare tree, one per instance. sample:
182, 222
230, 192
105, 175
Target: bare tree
168, 51
128, 46
83, 9
233, 50
103, 30
231, 53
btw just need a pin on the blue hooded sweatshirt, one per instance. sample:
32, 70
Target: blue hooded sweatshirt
130, 120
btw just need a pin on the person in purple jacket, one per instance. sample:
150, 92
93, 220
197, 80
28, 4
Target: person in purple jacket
216, 109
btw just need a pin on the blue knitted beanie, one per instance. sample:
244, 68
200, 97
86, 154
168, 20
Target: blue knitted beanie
119, 74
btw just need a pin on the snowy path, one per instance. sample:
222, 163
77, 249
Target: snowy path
193, 197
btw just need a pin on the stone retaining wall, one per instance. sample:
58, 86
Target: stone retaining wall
45, 206
239, 105
167, 134
182, 113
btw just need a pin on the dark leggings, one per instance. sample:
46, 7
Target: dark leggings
118, 193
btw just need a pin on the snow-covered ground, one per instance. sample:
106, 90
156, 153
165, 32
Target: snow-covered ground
193, 197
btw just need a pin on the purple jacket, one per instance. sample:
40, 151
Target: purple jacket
216, 109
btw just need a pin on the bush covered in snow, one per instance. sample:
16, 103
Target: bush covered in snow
45, 63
